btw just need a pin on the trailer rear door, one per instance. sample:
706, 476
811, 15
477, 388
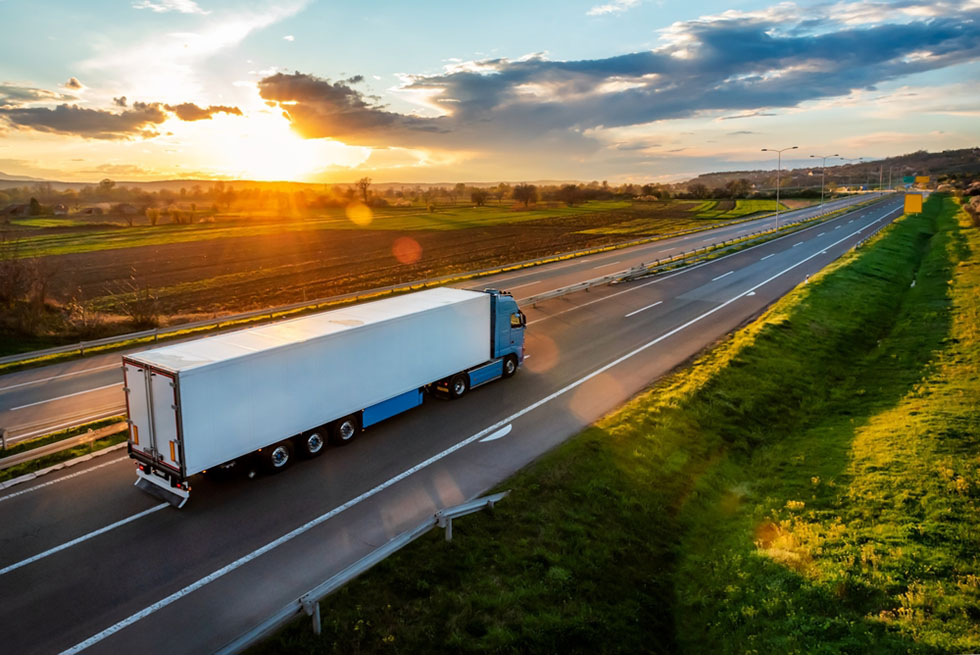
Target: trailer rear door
137, 397
163, 397
151, 398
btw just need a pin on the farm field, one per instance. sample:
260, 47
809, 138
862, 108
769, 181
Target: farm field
807, 486
43, 236
238, 264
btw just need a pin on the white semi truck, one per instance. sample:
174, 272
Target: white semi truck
273, 392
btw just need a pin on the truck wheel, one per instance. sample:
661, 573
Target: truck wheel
510, 365
459, 385
343, 431
311, 443
279, 456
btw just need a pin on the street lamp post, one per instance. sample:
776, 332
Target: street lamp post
779, 166
823, 172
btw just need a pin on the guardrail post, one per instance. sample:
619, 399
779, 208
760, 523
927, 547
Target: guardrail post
81, 347
312, 608
448, 524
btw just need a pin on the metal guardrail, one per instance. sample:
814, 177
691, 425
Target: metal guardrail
57, 446
309, 603
318, 303
644, 269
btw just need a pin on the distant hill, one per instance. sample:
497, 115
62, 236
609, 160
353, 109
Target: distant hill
948, 162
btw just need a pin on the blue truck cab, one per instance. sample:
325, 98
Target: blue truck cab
507, 325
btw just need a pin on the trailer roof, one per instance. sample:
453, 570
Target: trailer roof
220, 347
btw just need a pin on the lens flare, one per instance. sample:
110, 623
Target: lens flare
407, 250
359, 214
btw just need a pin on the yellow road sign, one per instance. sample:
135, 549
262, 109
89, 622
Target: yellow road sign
913, 203
922, 179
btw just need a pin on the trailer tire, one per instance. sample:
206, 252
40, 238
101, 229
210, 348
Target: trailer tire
311, 443
343, 431
459, 385
278, 457
510, 366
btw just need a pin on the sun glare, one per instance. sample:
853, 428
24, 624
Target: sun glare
263, 147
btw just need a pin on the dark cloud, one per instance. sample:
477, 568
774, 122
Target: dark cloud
744, 63
90, 123
188, 111
73, 83
139, 120
320, 108
12, 95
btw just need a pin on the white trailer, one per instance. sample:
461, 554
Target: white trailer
286, 387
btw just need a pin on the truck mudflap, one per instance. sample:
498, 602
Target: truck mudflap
161, 488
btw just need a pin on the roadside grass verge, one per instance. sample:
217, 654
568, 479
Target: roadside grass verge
702, 517
743, 207
856, 529
61, 435
61, 456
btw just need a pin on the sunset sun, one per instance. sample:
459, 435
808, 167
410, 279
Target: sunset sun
263, 147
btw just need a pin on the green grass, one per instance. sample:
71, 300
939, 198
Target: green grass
407, 219
743, 207
61, 435
809, 485
61, 456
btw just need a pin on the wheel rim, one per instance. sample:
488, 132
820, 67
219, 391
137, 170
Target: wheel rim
346, 430
279, 457
510, 366
459, 387
314, 443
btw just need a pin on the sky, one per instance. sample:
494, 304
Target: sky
618, 90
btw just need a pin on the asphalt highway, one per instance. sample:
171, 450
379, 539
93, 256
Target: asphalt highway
38, 401
90, 564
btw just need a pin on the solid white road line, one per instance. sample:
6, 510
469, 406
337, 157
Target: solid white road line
641, 309
715, 279
767, 257
62, 479
86, 537
309, 525
71, 395
57, 377
499, 434
668, 277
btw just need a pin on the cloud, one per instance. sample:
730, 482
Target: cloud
164, 6
73, 83
741, 64
91, 123
320, 108
188, 111
13, 95
139, 121
289, 37
120, 101
615, 7
168, 63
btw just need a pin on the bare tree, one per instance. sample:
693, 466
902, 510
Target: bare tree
362, 186
138, 301
526, 193
479, 197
